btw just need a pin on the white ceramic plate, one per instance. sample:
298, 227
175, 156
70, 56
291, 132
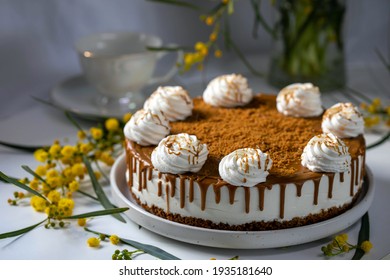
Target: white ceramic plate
78, 97
235, 239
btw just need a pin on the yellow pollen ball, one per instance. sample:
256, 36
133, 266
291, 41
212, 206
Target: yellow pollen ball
40, 155
114, 239
38, 203
96, 133
93, 242
111, 124
82, 222
366, 246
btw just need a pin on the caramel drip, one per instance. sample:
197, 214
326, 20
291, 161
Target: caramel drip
261, 189
130, 167
282, 199
299, 189
172, 181
316, 189
357, 172
144, 178
247, 199
140, 167
159, 190
134, 165
352, 177
182, 192
191, 194
203, 192
330, 184
342, 177
232, 194
167, 196
217, 191
139, 161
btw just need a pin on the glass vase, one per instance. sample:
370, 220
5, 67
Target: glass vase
308, 44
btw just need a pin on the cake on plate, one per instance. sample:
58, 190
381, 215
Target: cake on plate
235, 160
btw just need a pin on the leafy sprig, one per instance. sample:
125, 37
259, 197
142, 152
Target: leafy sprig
149, 249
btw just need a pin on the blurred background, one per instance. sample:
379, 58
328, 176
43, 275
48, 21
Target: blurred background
37, 37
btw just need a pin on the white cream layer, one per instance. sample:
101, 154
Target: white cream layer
235, 214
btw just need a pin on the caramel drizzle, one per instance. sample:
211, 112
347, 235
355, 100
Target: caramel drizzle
232, 194
299, 189
261, 189
247, 199
316, 190
217, 191
330, 184
282, 199
129, 161
159, 186
182, 192
145, 172
191, 194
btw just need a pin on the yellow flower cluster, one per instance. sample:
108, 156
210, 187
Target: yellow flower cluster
61, 169
203, 49
375, 113
340, 245
95, 241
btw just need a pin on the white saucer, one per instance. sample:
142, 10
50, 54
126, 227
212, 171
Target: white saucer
235, 239
77, 96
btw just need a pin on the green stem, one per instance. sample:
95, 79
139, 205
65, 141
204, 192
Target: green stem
364, 235
20, 231
152, 250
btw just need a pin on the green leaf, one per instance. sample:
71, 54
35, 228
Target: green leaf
259, 19
169, 49
230, 7
383, 60
46, 102
178, 3
72, 120
26, 148
22, 186
364, 235
104, 201
87, 194
29, 170
20, 231
97, 213
150, 249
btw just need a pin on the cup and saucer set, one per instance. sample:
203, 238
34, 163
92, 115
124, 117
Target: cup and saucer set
118, 71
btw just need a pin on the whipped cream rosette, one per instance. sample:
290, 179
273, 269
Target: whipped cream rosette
228, 91
299, 100
326, 153
245, 167
147, 127
179, 153
343, 120
173, 101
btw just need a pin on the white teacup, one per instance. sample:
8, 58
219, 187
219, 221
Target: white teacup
119, 65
